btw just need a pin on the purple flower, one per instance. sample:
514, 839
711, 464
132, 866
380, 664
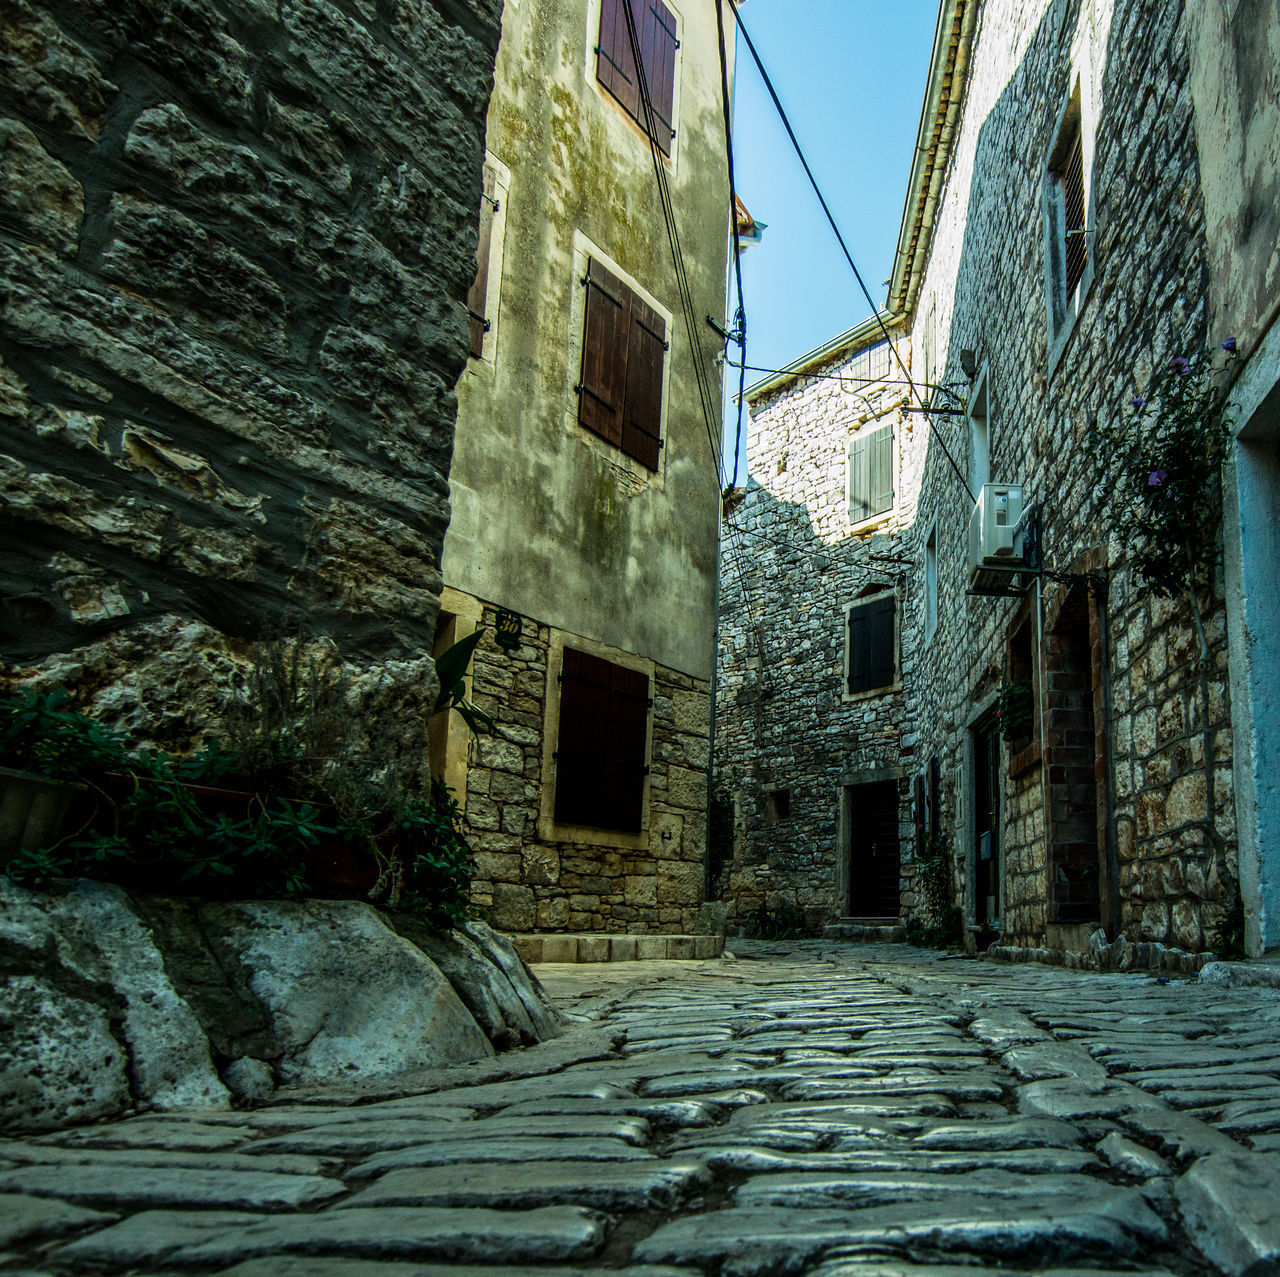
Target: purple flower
1229, 345
1180, 363
1156, 478
1138, 401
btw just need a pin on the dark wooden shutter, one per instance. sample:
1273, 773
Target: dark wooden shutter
478, 296
642, 418
1075, 251
615, 64
628, 728
602, 390
584, 713
600, 750
860, 506
921, 817
880, 469
658, 53
872, 635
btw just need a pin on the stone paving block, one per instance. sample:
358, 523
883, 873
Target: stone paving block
289, 1266
1037, 1060
821, 1190
27, 1219
593, 948
682, 948
529, 1149
529, 947
559, 949
763, 1241
1130, 1158
681, 1114
155, 1132
625, 1186
99, 1185
149, 1237
123, 1160
708, 946
1231, 1209
1181, 1136
1076, 1098
622, 948
650, 948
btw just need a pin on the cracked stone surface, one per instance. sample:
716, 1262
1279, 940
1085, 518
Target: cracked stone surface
809, 1109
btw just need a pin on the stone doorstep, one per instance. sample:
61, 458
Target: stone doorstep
881, 930
598, 947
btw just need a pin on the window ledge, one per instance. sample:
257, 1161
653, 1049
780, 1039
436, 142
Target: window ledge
550, 831
852, 698
874, 522
1024, 759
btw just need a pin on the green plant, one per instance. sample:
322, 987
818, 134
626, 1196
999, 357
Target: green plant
936, 922
785, 921
39, 733
451, 669
1015, 707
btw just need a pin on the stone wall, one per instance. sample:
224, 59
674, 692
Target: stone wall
529, 881
236, 240
1142, 302
790, 563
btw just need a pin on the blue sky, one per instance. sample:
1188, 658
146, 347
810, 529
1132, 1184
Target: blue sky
850, 74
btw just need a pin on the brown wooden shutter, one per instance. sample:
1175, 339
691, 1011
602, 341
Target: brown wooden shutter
615, 63
658, 52
584, 715
602, 390
479, 293
1075, 251
646, 349
628, 726
872, 634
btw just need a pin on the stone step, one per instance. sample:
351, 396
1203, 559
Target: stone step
883, 930
597, 947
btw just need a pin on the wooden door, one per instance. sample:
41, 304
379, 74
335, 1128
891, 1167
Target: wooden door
986, 825
874, 865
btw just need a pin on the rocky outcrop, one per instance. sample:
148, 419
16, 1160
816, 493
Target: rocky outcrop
115, 1003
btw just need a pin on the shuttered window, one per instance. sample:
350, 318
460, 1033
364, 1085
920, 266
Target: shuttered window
623, 348
600, 752
872, 642
870, 473
478, 297
656, 31
1071, 177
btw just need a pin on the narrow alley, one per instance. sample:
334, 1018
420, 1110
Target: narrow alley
851, 1111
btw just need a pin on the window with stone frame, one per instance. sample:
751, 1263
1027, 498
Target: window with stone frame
871, 466
600, 767
482, 298
871, 643
657, 33
931, 583
1068, 251
1023, 676
624, 343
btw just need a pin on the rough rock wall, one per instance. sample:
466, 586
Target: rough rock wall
235, 238
790, 563
1146, 303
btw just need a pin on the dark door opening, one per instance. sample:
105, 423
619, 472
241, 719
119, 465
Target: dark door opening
875, 870
986, 825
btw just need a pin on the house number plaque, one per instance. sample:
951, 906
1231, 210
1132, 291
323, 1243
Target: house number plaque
507, 631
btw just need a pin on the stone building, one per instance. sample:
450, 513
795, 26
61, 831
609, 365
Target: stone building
237, 242
1070, 226
584, 484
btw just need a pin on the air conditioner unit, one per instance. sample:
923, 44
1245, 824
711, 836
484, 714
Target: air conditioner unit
995, 536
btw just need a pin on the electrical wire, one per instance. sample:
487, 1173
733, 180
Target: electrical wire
857, 274
740, 315
710, 413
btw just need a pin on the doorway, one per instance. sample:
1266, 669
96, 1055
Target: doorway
875, 866
986, 825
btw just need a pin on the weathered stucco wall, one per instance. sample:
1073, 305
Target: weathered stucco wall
550, 521
236, 239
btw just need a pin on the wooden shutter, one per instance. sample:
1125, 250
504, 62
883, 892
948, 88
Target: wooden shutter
600, 750
880, 469
658, 53
602, 390
860, 506
921, 819
1075, 251
646, 348
615, 64
479, 294
625, 765
872, 635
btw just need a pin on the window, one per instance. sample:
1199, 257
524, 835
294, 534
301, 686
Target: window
1069, 263
979, 438
872, 361
871, 650
1070, 179
656, 31
600, 750
870, 473
623, 351
931, 583
777, 806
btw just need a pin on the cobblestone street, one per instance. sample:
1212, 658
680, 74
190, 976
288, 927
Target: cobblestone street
854, 1111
